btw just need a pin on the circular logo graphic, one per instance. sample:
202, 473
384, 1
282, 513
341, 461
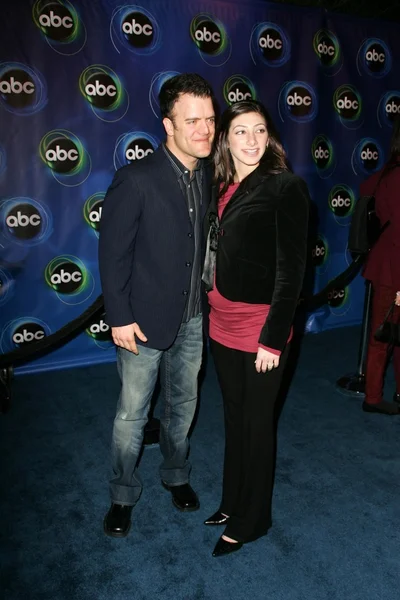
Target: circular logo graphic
60, 25
211, 39
323, 156
133, 146
102, 89
70, 279
238, 88
64, 154
298, 101
389, 108
367, 157
374, 58
136, 29
319, 252
22, 332
22, 90
326, 47
25, 221
100, 332
92, 210
338, 299
270, 44
347, 103
341, 201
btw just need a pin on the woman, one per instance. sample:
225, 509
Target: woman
383, 270
256, 255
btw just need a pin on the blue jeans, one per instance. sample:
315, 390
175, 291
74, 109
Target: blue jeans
179, 368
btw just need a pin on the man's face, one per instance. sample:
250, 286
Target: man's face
191, 129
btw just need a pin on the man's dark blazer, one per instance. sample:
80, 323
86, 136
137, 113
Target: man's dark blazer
146, 248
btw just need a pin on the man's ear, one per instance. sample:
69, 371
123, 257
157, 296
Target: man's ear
168, 126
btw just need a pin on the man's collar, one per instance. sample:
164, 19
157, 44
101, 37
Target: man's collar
179, 167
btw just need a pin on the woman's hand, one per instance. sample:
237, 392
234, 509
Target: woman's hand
266, 361
397, 299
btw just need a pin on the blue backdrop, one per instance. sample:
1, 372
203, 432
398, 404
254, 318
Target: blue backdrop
78, 99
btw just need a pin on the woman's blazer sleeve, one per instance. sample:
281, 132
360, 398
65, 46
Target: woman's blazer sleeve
291, 255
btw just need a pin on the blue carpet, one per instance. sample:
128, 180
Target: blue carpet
336, 505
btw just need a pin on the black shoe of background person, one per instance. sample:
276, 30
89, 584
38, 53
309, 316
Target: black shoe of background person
396, 397
383, 408
184, 498
216, 519
223, 547
117, 521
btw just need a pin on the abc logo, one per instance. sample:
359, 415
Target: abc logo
66, 278
370, 156
326, 50
238, 93
299, 101
57, 23
95, 215
392, 107
138, 149
375, 58
341, 204
17, 88
138, 30
336, 297
24, 221
322, 155
208, 37
99, 330
271, 44
28, 333
101, 90
319, 253
347, 104
62, 155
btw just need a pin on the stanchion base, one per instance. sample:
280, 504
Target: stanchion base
352, 385
152, 432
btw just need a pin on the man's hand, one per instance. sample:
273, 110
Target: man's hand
397, 299
125, 336
266, 361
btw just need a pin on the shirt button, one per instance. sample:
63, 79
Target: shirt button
188, 264
190, 235
185, 292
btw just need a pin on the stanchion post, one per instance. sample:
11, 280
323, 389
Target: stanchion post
353, 384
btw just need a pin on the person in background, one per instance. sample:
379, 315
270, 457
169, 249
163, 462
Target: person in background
383, 270
150, 258
256, 255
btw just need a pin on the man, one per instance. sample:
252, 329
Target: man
150, 267
383, 270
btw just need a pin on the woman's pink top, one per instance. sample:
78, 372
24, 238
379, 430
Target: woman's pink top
236, 324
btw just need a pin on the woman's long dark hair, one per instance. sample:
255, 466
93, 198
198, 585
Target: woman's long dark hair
395, 140
273, 159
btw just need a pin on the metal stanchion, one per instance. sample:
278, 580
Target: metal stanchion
353, 384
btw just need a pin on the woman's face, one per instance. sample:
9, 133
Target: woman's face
247, 141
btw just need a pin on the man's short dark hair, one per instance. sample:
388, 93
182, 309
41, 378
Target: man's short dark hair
187, 83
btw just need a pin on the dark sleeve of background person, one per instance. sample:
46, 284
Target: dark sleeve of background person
291, 257
118, 229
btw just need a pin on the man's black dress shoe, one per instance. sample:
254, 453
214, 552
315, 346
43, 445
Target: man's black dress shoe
216, 519
383, 408
223, 547
183, 497
117, 521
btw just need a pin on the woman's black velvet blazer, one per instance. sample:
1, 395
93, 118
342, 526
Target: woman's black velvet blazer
262, 247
